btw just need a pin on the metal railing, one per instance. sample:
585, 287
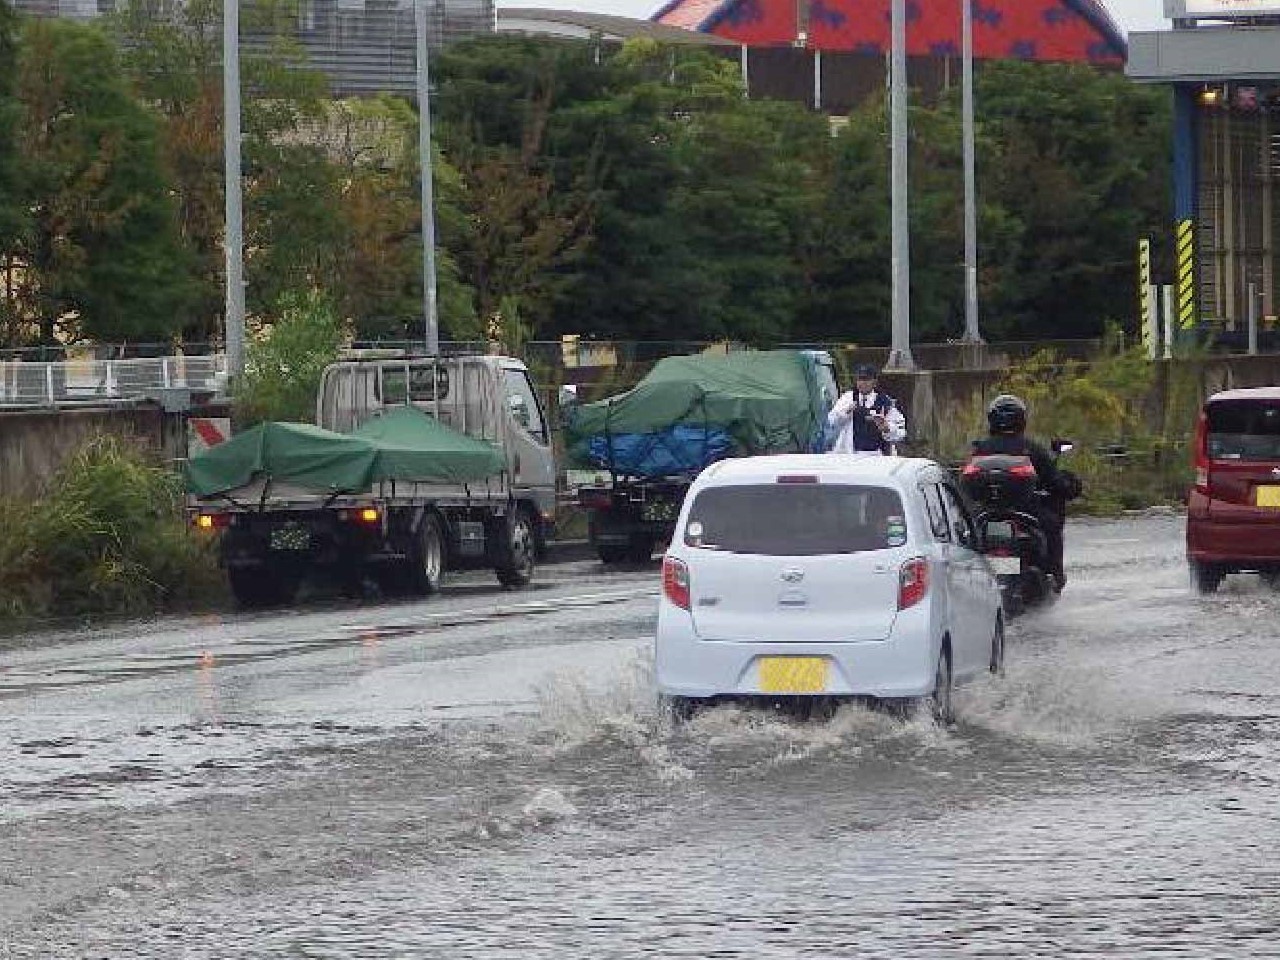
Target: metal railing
71, 382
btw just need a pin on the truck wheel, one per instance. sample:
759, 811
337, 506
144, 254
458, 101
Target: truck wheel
258, 587
611, 553
640, 549
428, 556
515, 551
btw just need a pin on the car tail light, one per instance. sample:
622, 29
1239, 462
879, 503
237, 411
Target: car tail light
1025, 470
971, 470
212, 521
675, 582
913, 582
1200, 446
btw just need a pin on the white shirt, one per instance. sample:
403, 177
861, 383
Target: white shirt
841, 416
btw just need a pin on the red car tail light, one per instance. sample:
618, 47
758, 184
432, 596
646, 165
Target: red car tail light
970, 470
913, 582
1200, 448
675, 582
1025, 470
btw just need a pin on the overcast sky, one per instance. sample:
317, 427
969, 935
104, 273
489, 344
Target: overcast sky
1129, 14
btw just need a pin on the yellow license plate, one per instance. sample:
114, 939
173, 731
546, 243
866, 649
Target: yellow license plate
793, 674
1269, 497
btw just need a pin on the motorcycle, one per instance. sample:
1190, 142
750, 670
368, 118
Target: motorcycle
1012, 537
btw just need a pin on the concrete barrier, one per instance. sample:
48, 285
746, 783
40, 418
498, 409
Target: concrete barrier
35, 443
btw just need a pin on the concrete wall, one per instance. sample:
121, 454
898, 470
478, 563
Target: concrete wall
946, 408
34, 443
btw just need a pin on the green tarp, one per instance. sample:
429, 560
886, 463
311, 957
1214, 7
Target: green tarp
404, 444
766, 401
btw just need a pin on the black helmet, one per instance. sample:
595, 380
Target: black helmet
1007, 414
865, 371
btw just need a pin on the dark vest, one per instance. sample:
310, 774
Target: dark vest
866, 435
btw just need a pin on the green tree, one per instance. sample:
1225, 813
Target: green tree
102, 259
12, 215
285, 358
173, 53
1080, 162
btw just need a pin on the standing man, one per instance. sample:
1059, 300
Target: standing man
868, 421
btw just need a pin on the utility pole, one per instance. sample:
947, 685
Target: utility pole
900, 354
971, 332
234, 241
428, 200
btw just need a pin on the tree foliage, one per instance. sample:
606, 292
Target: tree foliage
285, 359
629, 193
101, 256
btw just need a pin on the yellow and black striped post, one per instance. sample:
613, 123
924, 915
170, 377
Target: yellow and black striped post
1146, 319
1186, 274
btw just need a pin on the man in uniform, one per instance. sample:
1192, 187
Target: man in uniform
867, 420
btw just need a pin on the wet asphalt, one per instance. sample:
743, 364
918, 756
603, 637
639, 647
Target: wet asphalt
484, 774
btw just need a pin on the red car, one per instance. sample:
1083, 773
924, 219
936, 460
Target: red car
1233, 515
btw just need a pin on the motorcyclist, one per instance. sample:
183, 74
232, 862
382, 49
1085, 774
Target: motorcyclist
1007, 425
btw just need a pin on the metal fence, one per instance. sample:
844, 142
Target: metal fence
65, 383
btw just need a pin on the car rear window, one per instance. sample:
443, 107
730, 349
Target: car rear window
796, 520
1244, 430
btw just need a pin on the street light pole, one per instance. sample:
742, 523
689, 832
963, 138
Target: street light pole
971, 332
900, 352
234, 241
428, 201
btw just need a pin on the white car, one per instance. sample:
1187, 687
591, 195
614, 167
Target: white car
825, 576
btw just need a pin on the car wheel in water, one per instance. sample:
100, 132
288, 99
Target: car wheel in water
996, 666
679, 709
1206, 577
940, 701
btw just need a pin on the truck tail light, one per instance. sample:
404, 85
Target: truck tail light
913, 582
675, 582
595, 499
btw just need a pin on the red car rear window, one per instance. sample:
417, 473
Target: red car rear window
1244, 430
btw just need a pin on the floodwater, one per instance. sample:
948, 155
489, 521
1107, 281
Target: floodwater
484, 775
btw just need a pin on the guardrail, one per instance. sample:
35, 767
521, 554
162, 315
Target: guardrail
71, 382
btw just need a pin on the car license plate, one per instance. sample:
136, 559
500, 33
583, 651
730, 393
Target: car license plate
1005, 566
1269, 497
793, 674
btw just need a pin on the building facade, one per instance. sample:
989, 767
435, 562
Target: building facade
362, 46
1222, 62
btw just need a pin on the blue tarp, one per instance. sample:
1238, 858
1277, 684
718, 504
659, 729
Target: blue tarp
676, 450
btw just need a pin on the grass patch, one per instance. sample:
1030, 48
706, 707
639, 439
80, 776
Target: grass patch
106, 537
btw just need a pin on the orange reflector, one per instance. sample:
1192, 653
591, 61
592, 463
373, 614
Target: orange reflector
369, 515
204, 522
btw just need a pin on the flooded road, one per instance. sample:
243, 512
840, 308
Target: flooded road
484, 775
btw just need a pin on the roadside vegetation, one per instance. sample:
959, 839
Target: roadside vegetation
1131, 447
106, 536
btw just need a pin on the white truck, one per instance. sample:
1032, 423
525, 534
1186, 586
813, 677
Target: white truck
417, 465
